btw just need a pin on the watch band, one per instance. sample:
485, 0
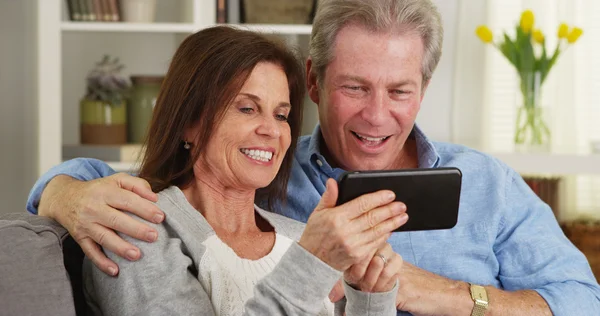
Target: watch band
479, 297
478, 310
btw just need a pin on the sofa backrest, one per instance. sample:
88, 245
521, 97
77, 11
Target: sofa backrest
33, 277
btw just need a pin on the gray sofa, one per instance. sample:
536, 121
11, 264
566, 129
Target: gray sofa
40, 268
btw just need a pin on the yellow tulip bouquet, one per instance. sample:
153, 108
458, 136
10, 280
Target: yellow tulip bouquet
527, 52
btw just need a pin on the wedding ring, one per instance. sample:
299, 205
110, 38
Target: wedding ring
382, 258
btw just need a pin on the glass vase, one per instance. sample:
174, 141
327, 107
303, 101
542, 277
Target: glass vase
532, 133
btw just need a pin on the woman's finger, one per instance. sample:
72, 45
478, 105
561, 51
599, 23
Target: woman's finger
366, 203
377, 216
98, 258
374, 269
388, 276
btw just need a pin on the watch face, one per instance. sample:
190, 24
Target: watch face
479, 294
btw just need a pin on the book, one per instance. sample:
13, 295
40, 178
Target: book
74, 11
113, 153
84, 10
221, 11
107, 15
98, 10
114, 10
91, 10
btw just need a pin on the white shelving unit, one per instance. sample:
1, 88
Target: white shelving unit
66, 50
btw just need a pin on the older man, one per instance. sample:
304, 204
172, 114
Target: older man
369, 66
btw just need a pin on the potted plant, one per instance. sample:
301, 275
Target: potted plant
527, 52
103, 108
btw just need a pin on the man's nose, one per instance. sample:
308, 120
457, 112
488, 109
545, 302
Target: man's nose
376, 111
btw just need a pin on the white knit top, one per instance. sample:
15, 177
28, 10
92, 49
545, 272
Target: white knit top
229, 280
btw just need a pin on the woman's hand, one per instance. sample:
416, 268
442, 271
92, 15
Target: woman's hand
347, 234
377, 274
91, 211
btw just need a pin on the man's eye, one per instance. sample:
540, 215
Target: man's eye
353, 88
401, 91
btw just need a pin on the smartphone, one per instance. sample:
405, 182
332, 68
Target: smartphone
431, 195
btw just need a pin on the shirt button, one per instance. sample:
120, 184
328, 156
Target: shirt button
319, 162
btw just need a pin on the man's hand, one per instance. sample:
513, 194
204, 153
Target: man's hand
92, 211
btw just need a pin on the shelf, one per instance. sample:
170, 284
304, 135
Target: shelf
128, 167
128, 27
545, 163
177, 27
289, 29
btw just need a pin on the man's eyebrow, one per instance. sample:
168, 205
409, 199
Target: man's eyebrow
364, 81
353, 78
257, 99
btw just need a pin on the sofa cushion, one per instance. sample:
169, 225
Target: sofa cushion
33, 277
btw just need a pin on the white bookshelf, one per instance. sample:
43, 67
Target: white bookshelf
68, 26
66, 51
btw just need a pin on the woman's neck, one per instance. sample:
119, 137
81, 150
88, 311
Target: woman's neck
227, 210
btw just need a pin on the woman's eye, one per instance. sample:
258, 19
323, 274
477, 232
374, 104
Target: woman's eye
281, 117
246, 110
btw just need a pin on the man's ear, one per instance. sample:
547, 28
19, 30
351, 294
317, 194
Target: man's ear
424, 88
311, 82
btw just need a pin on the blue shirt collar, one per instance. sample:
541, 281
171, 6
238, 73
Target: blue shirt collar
428, 155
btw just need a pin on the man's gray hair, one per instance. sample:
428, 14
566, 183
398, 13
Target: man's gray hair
420, 16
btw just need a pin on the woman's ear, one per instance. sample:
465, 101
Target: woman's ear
190, 134
311, 82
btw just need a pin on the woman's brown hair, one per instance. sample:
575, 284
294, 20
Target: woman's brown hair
207, 72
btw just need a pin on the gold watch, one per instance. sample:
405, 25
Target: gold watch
479, 297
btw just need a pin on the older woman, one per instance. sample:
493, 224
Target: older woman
227, 118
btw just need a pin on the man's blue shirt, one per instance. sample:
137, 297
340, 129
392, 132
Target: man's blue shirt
505, 235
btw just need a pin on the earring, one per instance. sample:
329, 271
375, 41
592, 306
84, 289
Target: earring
187, 145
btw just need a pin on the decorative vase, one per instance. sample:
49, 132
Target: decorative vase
103, 123
140, 106
138, 11
532, 133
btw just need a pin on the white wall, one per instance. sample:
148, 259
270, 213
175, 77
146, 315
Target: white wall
17, 98
17, 114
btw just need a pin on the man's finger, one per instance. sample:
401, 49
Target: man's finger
367, 202
112, 242
137, 185
92, 251
125, 200
123, 223
337, 293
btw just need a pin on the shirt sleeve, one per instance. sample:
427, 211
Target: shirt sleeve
534, 253
165, 282
83, 169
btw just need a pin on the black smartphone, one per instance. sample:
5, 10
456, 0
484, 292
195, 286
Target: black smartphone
431, 195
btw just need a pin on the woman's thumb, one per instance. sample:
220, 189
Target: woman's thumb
329, 197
